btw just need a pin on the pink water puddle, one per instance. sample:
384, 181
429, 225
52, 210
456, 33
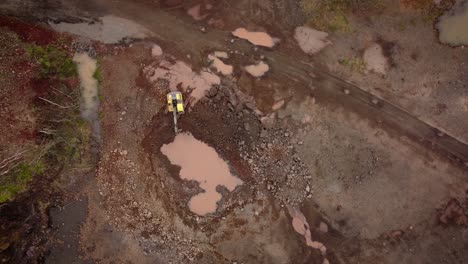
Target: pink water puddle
256, 38
201, 163
300, 225
180, 73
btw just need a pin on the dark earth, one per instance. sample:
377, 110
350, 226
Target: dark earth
340, 161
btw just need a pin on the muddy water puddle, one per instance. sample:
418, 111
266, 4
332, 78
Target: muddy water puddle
257, 70
201, 163
301, 226
453, 26
109, 29
181, 74
256, 38
89, 91
218, 64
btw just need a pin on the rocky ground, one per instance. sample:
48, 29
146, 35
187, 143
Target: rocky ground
322, 181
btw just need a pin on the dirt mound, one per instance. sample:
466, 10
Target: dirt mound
454, 213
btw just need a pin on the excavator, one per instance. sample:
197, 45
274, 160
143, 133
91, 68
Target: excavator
175, 104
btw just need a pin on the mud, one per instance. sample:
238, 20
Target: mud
108, 29
67, 221
331, 172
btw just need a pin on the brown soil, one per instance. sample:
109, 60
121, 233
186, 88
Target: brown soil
29, 32
371, 161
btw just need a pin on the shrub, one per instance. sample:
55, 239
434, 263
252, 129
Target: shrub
18, 180
53, 61
327, 15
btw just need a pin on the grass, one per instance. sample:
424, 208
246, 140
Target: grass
429, 10
19, 179
402, 26
97, 75
354, 63
53, 60
327, 15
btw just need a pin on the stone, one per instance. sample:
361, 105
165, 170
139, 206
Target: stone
239, 108
218, 97
277, 105
213, 91
267, 122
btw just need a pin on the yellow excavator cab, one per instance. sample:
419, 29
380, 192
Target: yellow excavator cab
175, 104
169, 103
174, 99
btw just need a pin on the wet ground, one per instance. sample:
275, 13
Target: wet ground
279, 158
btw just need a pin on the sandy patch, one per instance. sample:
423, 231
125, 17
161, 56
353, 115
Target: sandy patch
310, 40
375, 60
156, 51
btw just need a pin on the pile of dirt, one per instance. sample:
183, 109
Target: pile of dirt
276, 164
454, 213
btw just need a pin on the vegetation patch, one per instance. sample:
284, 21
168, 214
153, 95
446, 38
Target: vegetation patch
61, 137
430, 11
356, 64
97, 73
327, 15
17, 181
53, 60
